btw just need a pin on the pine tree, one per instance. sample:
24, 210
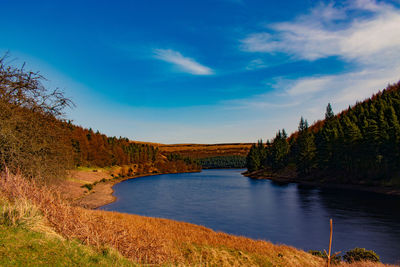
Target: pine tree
306, 149
351, 139
279, 150
329, 113
253, 161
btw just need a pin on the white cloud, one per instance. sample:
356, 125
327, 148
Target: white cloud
309, 85
256, 64
185, 64
371, 41
314, 36
364, 33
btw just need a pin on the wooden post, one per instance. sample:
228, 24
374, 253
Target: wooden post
330, 244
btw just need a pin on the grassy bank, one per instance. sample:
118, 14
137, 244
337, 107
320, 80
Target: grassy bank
24, 247
81, 236
150, 240
26, 239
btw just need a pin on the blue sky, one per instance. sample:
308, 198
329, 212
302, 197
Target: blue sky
205, 71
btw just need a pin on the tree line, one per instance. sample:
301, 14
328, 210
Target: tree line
217, 162
36, 140
359, 145
95, 149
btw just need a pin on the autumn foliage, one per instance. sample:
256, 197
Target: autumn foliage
36, 140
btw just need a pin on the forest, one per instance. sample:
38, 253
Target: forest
223, 162
37, 141
360, 145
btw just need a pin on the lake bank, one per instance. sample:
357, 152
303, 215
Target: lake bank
100, 181
145, 240
289, 178
224, 200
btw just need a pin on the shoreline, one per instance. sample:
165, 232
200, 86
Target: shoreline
280, 179
103, 193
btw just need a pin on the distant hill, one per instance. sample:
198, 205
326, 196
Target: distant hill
198, 151
211, 156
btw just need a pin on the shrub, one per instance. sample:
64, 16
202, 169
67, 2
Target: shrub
88, 186
360, 254
317, 253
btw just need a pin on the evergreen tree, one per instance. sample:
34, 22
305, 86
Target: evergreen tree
361, 144
253, 161
279, 150
306, 149
329, 113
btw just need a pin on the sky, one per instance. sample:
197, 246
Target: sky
209, 71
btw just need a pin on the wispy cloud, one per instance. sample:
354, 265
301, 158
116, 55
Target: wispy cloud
364, 33
256, 64
370, 40
308, 85
317, 35
185, 64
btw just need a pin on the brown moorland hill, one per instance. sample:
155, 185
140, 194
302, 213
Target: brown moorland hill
206, 150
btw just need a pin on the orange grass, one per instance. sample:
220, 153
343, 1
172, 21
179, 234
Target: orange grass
151, 240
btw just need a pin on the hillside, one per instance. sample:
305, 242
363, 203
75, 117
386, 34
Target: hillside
211, 156
52, 172
197, 151
359, 146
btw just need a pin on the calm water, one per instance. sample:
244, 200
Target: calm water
224, 200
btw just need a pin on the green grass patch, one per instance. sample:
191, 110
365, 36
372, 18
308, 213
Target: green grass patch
97, 169
77, 180
22, 247
87, 169
25, 240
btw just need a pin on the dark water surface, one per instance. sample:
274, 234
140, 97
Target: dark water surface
291, 214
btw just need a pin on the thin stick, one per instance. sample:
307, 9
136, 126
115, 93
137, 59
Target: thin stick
330, 244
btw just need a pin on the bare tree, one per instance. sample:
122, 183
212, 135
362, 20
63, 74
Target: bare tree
33, 137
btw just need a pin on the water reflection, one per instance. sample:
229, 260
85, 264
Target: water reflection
292, 214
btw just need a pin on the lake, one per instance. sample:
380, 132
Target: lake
291, 214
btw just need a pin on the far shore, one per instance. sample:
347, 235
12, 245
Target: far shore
260, 175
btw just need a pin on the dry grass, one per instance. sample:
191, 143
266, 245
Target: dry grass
20, 212
152, 240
